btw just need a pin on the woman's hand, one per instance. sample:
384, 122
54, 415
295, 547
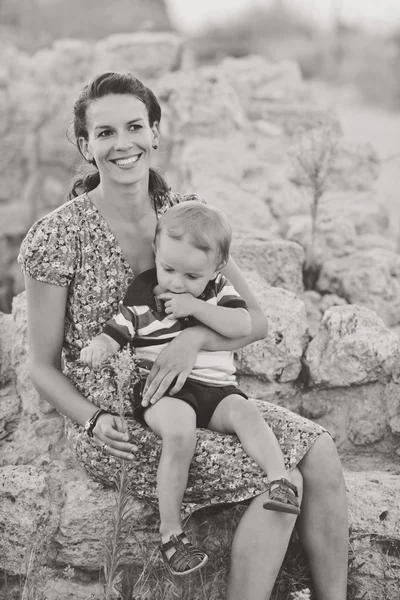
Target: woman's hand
174, 362
111, 434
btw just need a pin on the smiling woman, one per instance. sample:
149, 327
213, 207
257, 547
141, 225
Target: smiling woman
78, 262
123, 149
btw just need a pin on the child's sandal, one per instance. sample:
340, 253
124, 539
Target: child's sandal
186, 558
283, 498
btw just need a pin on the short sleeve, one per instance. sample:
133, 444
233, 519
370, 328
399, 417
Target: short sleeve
226, 294
172, 198
49, 251
122, 327
192, 198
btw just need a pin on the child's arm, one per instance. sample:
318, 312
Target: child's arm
118, 332
228, 321
99, 349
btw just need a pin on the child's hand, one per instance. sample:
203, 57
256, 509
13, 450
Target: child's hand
98, 351
178, 305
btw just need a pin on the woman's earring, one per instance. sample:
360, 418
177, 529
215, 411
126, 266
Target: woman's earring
155, 146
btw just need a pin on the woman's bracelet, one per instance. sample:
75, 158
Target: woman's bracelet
91, 423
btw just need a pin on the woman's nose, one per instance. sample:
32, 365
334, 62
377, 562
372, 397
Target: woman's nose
122, 142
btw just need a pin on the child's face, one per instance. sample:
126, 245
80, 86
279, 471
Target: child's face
183, 268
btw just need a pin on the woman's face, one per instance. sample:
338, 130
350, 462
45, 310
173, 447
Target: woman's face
120, 138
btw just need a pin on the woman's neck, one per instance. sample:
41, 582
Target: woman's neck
128, 204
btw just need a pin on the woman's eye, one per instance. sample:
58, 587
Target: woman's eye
134, 127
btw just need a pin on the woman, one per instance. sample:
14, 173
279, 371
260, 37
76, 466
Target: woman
78, 262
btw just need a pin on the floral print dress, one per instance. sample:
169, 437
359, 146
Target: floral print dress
74, 246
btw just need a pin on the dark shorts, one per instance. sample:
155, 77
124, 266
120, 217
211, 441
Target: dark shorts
204, 399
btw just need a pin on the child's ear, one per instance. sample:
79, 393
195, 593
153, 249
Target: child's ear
218, 269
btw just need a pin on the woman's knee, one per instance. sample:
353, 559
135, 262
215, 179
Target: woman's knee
322, 464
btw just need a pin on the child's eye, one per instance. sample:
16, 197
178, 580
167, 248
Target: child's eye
192, 277
168, 270
104, 133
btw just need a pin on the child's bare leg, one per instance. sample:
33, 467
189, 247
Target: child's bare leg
237, 415
174, 421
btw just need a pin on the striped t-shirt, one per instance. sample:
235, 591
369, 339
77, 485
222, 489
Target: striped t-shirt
141, 321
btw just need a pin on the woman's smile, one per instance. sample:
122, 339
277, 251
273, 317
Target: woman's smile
126, 162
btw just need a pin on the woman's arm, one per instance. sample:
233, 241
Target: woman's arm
259, 323
177, 360
46, 306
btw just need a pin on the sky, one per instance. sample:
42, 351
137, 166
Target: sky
382, 15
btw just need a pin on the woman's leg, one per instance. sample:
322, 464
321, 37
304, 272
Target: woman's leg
174, 422
258, 549
323, 524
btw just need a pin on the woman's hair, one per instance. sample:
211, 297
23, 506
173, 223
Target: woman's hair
104, 85
206, 228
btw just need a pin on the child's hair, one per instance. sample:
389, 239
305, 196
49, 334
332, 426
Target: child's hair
206, 227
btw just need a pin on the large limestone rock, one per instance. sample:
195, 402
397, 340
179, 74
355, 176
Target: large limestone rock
279, 262
352, 346
278, 357
369, 277
145, 54
374, 512
316, 305
346, 221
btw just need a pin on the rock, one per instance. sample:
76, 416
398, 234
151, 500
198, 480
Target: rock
8, 330
374, 240
364, 209
352, 346
31, 401
316, 305
346, 221
367, 420
24, 508
248, 214
278, 262
260, 83
278, 357
374, 511
224, 159
65, 63
63, 589
10, 407
144, 54
201, 104
355, 167
369, 278
334, 236
287, 199
85, 523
